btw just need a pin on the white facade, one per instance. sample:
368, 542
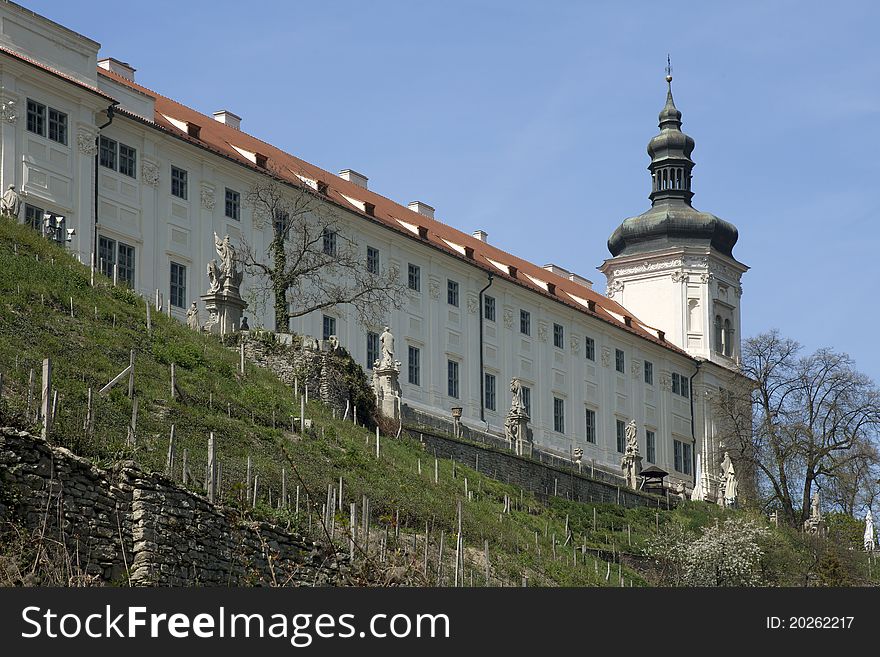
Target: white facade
679, 292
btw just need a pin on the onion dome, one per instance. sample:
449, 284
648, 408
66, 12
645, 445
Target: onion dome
671, 221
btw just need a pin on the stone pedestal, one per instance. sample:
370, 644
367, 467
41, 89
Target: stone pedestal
516, 430
387, 388
632, 468
225, 309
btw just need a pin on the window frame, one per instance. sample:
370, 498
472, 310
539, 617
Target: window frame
372, 348
490, 390
60, 125
232, 204
179, 183
328, 321
414, 365
649, 372
130, 159
453, 293
414, 277
620, 435
177, 289
590, 425
488, 308
39, 116
452, 379
651, 446
558, 336
34, 222
525, 322
620, 361
328, 242
373, 262
126, 271
558, 414
589, 348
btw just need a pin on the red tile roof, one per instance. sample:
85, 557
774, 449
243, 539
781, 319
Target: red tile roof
220, 138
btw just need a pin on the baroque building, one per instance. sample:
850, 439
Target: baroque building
145, 182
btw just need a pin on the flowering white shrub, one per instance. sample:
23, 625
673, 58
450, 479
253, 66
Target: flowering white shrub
727, 554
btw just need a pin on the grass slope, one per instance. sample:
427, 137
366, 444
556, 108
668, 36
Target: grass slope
37, 283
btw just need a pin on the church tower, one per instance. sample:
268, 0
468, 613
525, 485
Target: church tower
673, 265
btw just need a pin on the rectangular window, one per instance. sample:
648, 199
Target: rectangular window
125, 264
489, 308
525, 322
621, 436
127, 161
676, 383
649, 373
683, 456
281, 224
527, 400
372, 260
58, 126
452, 293
107, 156
372, 348
558, 415
685, 386
490, 392
329, 326
178, 285
558, 336
414, 277
178, 183
452, 378
414, 366
36, 117
590, 348
591, 426
619, 361
329, 242
33, 216
233, 204
106, 256
650, 446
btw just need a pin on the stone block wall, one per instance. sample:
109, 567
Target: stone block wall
541, 478
124, 523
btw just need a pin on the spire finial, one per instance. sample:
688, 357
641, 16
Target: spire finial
668, 70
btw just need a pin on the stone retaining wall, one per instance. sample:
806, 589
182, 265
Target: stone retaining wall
125, 523
543, 479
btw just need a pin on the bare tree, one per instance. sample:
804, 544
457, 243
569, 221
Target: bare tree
801, 422
310, 263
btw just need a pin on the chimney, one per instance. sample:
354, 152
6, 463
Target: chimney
481, 235
574, 278
228, 118
122, 69
422, 208
354, 177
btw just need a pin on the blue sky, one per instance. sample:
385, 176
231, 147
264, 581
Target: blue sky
530, 121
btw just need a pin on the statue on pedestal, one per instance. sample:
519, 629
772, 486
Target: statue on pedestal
728, 477
870, 542
223, 300
10, 203
192, 317
815, 524
386, 372
516, 424
631, 462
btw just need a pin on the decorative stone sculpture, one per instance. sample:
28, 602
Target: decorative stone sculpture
699, 492
870, 543
815, 524
728, 477
192, 317
10, 203
516, 424
386, 373
223, 300
631, 462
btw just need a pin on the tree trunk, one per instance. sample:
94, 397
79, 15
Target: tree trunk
279, 285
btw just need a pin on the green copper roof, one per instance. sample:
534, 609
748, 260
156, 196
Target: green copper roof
671, 221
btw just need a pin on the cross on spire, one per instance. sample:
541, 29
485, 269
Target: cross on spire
668, 69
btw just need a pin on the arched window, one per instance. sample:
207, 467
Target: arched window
719, 335
728, 338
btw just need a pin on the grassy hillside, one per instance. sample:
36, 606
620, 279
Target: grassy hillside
38, 282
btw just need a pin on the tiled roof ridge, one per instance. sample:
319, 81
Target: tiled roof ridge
603, 306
